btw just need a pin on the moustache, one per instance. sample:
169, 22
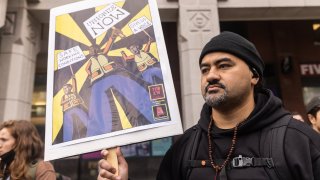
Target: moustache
217, 84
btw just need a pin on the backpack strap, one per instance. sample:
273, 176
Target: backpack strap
190, 151
33, 169
237, 162
272, 146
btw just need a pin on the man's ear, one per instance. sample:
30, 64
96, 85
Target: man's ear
255, 80
255, 73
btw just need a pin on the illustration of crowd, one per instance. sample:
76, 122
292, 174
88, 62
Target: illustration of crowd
141, 90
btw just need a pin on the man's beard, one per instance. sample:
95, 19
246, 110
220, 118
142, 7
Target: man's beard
214, 101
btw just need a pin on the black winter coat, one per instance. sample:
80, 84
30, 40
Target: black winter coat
301, 145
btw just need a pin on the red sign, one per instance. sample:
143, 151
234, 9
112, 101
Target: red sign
310, 69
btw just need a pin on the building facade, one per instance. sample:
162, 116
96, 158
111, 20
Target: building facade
287, 34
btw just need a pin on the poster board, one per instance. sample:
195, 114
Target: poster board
109, 81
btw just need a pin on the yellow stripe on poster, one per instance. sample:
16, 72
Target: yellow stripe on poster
123, 118
56, 52
117, 52
57, 115
154, 50
85, 52
65, 25
81, 76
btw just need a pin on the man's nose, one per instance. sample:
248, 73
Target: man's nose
213, 75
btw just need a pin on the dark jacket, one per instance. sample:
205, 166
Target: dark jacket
301, 145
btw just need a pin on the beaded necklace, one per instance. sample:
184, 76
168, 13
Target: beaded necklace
215, 166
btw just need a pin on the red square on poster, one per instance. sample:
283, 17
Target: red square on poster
156, 92
160, 111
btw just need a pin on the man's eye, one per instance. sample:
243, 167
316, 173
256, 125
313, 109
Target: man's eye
222, 66
204, 70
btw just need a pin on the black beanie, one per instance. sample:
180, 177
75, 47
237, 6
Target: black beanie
236, 45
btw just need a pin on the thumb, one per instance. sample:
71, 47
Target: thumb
123, 166
120, 156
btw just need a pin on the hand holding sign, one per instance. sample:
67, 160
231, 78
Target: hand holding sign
113, 166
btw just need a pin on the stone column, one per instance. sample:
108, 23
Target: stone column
3, 10
198, 23
19, 46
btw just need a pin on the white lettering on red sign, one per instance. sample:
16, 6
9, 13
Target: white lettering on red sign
310, 69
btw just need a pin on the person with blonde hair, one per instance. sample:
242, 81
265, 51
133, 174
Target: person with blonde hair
21, 152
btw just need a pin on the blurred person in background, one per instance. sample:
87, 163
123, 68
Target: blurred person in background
313, 112
21, 153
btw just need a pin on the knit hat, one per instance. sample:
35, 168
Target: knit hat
313, 103
236, 45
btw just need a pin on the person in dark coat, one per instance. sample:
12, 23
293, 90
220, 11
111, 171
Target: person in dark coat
231, 129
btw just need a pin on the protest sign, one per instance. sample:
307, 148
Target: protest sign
104, 20
109, 81
140, 25
70, 56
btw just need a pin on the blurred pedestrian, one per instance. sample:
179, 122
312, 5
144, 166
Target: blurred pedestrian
21, 153
313, 112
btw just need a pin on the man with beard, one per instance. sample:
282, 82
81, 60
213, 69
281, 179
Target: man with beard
232, 139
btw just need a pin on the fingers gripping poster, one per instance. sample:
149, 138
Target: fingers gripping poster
109, 80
